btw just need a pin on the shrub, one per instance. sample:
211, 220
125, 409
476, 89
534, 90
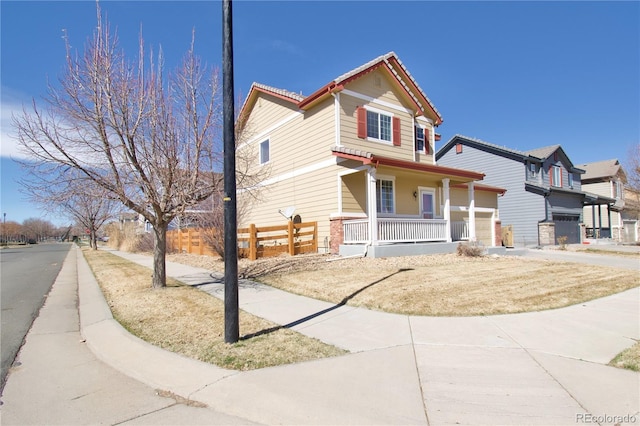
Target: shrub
470, 249
562, 242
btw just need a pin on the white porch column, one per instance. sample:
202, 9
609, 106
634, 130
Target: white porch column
447, 207
472, 213
372, 206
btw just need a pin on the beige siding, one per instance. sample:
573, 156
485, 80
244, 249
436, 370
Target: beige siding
354, 193
460, 197
376, 85
486, 199
348, 120
314, 196
484, 228
304, 141
484, 225
600, 188
267, 111
406, 183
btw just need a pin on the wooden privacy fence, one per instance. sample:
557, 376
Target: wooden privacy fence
188, 240
267, 241
253, 242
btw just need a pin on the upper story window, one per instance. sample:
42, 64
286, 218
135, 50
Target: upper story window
570, 180
378, 125
264, 152
420, 139
617, 189
384, 196
555, 176
532, 170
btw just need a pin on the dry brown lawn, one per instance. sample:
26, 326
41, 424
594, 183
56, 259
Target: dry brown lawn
446, 284
184, 320
629, 359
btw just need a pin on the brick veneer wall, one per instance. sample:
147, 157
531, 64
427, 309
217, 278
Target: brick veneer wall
498, 233
336, 232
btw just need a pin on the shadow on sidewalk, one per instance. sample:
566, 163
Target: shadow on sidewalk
343, 302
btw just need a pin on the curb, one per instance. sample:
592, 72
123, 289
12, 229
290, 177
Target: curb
115, 346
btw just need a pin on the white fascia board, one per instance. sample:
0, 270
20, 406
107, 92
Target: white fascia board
299, 172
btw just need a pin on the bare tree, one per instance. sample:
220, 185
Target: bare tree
36, 229
12, 231
632, 169
209, 215
144, 136
71, 194
632, 184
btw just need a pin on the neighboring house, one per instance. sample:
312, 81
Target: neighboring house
134, 221
357, 156
631, 216
607, 178
544, 198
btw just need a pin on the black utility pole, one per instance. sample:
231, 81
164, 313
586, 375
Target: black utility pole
231, 314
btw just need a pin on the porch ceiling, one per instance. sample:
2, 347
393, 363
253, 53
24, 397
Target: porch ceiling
437, 172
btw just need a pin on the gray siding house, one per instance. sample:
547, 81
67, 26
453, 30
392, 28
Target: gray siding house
544, 199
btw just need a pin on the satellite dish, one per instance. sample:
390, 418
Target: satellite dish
288, 212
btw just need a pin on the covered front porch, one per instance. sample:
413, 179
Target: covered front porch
393, 206
599, 224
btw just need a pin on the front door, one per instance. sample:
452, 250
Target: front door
427, 204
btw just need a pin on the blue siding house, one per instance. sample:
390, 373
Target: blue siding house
544, 199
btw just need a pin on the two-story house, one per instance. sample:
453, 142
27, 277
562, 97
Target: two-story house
607, 179
544, 198
357, 156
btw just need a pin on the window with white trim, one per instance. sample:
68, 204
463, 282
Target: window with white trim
617, 189
384, 196
419, 139
555, 176
570, 180
378, 126
264, 152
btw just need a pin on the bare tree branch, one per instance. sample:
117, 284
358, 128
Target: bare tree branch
145, 137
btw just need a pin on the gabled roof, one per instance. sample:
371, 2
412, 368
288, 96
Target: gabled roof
544, 152
257, 88
601, 169
396, 70
537, 155
466, 140
281, 93
390, 63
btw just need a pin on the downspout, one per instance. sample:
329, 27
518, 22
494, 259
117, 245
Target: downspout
336, 114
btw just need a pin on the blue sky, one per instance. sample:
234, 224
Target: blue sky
519, 74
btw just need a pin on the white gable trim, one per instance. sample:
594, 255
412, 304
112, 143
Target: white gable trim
299, 172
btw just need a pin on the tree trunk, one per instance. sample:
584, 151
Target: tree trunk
93, 239
159, 255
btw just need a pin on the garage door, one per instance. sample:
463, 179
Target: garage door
567, 226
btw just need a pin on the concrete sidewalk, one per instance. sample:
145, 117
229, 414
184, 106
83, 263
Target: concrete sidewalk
57, 380
535, 368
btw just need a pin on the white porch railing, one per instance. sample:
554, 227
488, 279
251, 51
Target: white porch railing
459, 231
396, 230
